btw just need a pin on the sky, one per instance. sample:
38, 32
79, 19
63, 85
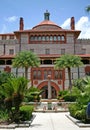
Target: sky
33, 11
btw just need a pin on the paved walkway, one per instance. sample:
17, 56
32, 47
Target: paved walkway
52, 121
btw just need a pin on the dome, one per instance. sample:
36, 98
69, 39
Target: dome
46, 24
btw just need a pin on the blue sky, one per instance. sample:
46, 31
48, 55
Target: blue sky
32, 11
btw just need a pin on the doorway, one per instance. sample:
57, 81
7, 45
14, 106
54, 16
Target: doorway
45, 92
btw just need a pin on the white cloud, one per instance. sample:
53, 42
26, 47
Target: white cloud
11, 19
4, 29
83, 24
66, 24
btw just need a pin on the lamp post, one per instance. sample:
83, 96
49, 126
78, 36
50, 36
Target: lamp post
49, 86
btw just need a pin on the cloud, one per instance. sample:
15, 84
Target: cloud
66, 24
83, 24
4, 29
11, 19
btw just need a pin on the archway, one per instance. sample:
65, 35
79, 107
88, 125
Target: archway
44, 87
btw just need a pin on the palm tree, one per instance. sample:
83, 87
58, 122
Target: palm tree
88, 8
26, 59
68, 61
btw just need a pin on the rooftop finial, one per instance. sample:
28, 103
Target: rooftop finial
46, 15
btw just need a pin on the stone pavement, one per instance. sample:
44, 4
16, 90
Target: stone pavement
52, 121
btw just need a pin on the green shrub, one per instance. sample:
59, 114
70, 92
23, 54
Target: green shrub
70, 98
61, 94
3, 115
26, 112
72, 109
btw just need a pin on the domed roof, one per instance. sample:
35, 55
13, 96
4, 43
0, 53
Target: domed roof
47, 24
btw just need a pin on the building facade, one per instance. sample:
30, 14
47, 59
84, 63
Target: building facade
49, 41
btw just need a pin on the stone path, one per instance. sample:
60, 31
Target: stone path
52, 121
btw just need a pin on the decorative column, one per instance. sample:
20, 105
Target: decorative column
49, 87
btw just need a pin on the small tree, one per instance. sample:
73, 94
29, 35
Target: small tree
14, 91
68, 61
26, 59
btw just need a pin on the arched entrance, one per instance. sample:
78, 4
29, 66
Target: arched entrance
45, 92
44, 87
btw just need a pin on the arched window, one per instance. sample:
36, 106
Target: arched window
43, 38
35, 38
31, 38
56, 74
45, 74
47, 38
55, 38
39, 38
59, 38
39, 74
34, 74
62, 38
51, 38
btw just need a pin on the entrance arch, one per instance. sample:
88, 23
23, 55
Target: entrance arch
44, 87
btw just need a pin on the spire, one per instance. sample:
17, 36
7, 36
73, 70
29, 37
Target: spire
46, 15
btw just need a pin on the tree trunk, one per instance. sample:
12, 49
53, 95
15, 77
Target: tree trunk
69, 77
26, 72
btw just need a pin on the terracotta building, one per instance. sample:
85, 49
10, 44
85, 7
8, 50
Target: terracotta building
49, 41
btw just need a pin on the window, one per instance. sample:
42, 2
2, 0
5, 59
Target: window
55, 38
39, 74
31, 38
62, 37
83, 51
58, 74
8, 62
35, 38
45, 74
47, 38
11, 51
59, 38
39, 38
4, 37
32, 50
43, 38
47, 51
62, 51
34, 74
11, 36
51, 38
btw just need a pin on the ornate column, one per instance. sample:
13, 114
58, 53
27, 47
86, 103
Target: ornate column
49, 87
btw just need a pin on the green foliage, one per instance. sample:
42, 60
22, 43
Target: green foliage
68, 61
26, 112
4, 76
61, 94
3, 115
88, 8
26, 59
67, 96
78, 110
14, 91
33, 94
78, 83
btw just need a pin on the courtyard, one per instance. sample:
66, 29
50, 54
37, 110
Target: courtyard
52, 121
